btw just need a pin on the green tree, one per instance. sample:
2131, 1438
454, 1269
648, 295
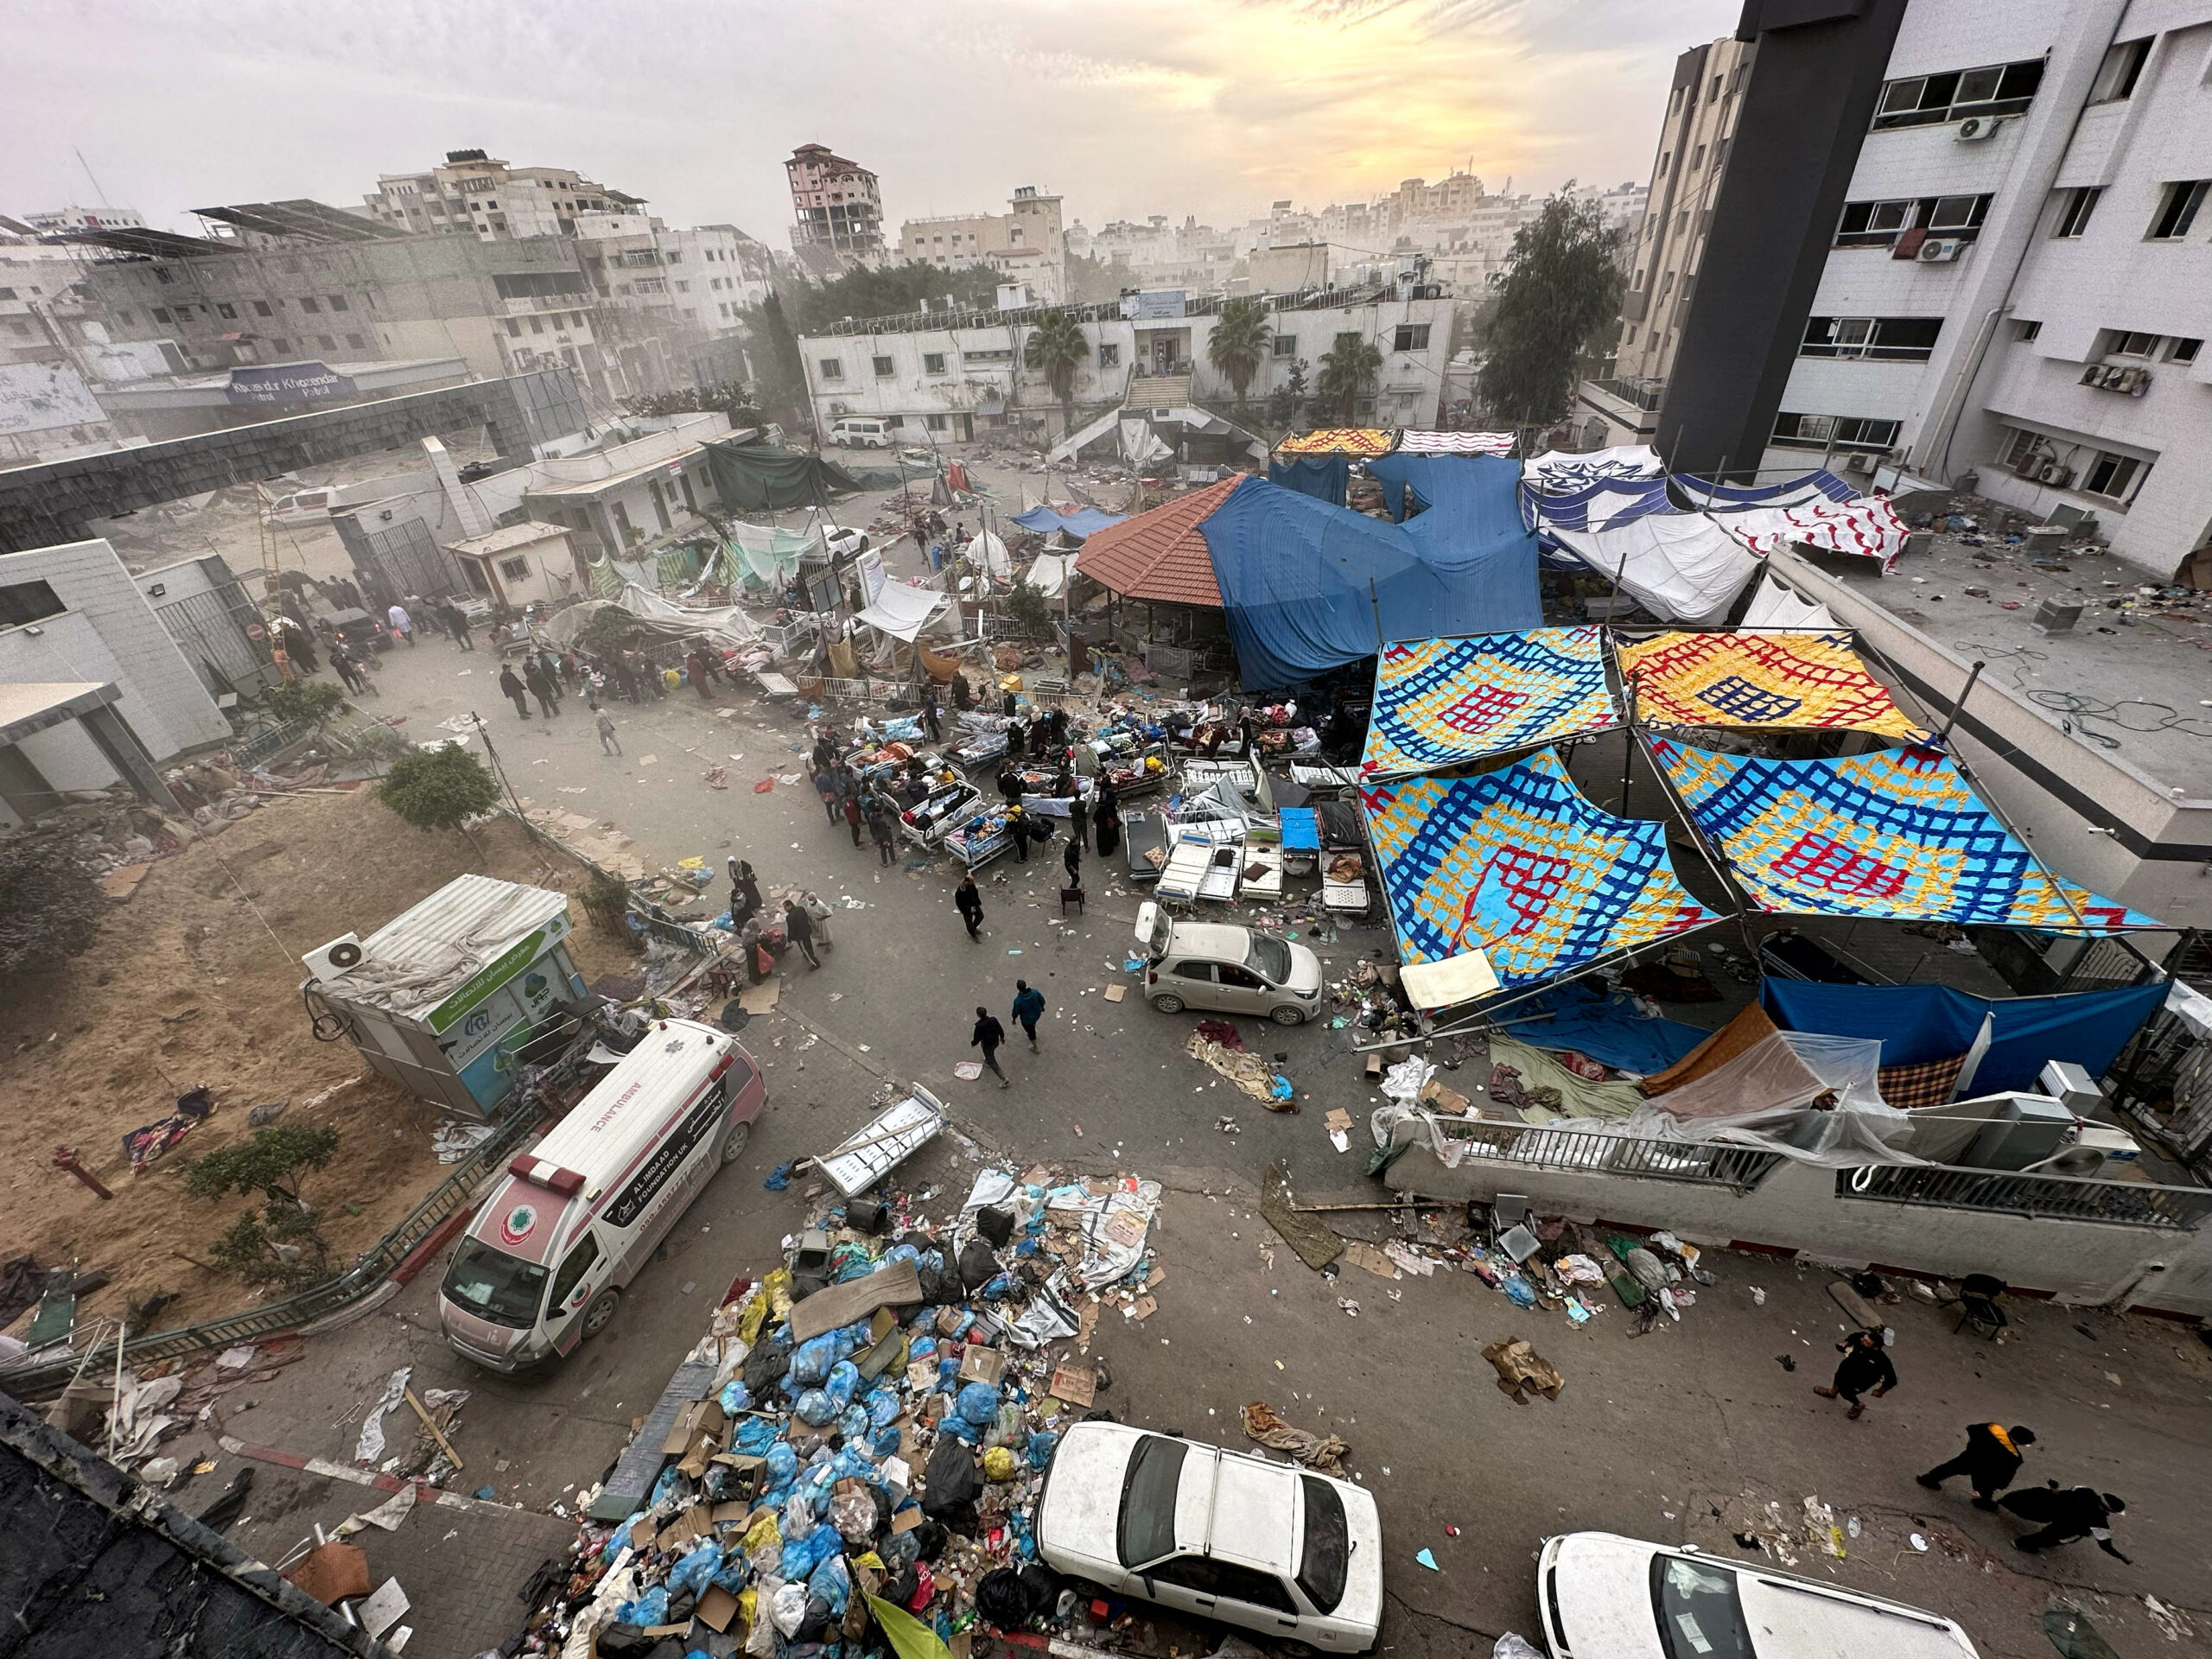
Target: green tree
1243, 335
1285, 402
280, 1243
50, 905
773, 349
730, 397
439, 789
1561, 285
1348, 369
1056, 349
314, 701
1093, 281
1029, 611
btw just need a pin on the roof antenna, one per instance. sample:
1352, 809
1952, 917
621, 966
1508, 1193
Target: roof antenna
87, 166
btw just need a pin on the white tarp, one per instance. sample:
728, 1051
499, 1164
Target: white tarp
901, 609
1868, 527
1556, 470
1411, 442
1048, 574
1141, 446
1680, 567
988, 554
719, 621
1777, 606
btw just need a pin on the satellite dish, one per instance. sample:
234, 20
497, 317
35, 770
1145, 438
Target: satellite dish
345, 954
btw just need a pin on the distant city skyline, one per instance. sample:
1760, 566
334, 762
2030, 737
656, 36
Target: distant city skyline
1125, 110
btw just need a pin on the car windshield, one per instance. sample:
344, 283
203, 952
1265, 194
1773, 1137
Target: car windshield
495, 1285
1269, 958
1147, 1525
1322, 1562
1699, 1617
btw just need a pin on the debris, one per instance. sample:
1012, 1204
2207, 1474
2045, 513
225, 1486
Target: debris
1316, 1243
1522, 1371
1427, 1560
1323, 1451
370, 1447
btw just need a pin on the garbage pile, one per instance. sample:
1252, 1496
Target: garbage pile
845, 1485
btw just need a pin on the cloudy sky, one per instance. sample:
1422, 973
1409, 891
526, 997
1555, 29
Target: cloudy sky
1125, 107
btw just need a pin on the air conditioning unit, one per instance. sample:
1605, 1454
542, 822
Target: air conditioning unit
1857, 462
2135, 382
2053, 473
1939, 251
1976, 128
341, 955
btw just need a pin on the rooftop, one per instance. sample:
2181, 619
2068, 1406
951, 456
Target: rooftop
507, 536
1159, 555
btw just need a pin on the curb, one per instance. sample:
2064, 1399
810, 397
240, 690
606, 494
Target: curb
440, 1235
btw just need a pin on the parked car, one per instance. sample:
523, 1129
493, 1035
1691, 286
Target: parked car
1606, 1597
855, 432
1227, 1535
1234, 969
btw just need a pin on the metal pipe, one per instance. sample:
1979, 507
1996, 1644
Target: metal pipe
1942, 738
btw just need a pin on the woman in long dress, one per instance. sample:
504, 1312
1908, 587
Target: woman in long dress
1107, 815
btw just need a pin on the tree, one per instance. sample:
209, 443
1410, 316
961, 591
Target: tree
1285, 402
730, 397
1029, 611
50, 905
1348, 369
439, 789
280, 1244
773, 349
1093, 281
313, 701
1243, 336
1056, 349
1561, 285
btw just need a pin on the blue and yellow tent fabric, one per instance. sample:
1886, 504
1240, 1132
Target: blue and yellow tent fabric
1802, 680
1440, 704
1518, 864
1896, 835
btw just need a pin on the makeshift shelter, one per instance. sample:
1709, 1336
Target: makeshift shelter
763, 554
1777, 606
726, 624
1867, 527
1896, 834
1413, 442
1078, 522
1795, 680
902, 610
1556, 470
1697, 495
1360, 443
1518, 867
1600, 504
752, 477
1159, 555
1443, 703
1325, 478
1681, 567
1607, 1028
1050, 573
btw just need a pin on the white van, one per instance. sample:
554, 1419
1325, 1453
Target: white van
543, 1264
859, 432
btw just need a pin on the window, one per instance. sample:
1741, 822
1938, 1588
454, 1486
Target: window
261, 309
936, 422
2024, 448
690, 501
1697, 158
1892, 339
1879, 224
1927, 100
309, 304
579, 1261
932, 362
1322, 1566
2027, 330
337, 302
1241, 979
2076, 207
1285, 345
1699, 1613
1005, 356
1209, 1575
515, 570
327, 342
1948, 215
160, 315
536, 326
832, 368
1198, 970
354, 342
2184, 350
223, 310
884, 368
534, 285
1146, 1528
2178, 209
2121, 342
1869, 223
514, 327
1110, 355
1410, 337
1714, 96
282, 344
494, 1286
27, 601
1835, 431
2115, 477
1666, 287
2117, 74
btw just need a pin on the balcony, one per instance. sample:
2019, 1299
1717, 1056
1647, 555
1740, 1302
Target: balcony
2064, 1198
1643, 394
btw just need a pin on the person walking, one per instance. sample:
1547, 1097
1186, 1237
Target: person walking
820, 914
1866, 1369
695, 666
1009, 784
1107, 815
1071, 860
626, 683
825, 786
798, 928
932, 717
402, 624
1079, 820
1028, 1009
348, 670
456, 626
744, 891
884, 829
987, 1037
1989, 1463
2068, 1515
852, 811
969, 902
542, 687
513, 688
608, 743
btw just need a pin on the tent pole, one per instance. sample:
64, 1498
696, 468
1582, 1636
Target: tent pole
1697, 835
1942, 738
1627, 739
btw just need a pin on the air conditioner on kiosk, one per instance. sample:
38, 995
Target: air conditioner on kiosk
1938, 251
334, 959
1976, 128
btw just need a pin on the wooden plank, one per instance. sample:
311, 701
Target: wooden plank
436, 1433
897, 1285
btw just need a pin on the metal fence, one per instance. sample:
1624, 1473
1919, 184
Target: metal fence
257, 747
1740, 1167
2070, 1198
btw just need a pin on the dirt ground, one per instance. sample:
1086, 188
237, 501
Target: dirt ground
195, 980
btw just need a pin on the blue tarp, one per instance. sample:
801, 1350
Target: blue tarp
1932, 1022
1600, 504
1306, 587
1606, 1029
1696, 495
1325, 478
1083, 521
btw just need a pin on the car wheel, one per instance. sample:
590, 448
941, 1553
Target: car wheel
600, 1311
1168, 1003
734, 1142
1288, 1015
1295, 1650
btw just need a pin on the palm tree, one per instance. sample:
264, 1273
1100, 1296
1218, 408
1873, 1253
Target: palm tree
1055, 348
1348, 368
1242, 337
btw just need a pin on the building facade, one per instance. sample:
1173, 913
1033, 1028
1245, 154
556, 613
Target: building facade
836, 208
1026, 244
474, 194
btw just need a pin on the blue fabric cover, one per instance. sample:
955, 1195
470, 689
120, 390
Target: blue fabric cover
1932, 1022
1295, 572
1600, 504
1591, 1023
1696, 495
1083, 521
1325, 478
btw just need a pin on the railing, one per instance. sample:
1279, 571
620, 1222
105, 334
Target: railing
2068, 1198
1702, 1163
1640, 394
258, 747
1194, 305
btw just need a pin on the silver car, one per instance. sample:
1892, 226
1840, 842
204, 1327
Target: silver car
1234, 969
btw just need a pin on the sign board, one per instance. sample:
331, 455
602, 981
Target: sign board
1160, 302
870, 566
41, 397
288, 382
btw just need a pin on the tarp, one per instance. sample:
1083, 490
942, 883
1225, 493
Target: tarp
902, 610
606, 580
1557, 470
1783, 1070
764, 553
987, 552
1412, 443
1306, 587
1895, 834
1361, 442
1777, 606
1048, 574
1442, 703
1795, 680
1917, 1023
1083, 521
1696, 494
1518, 864
1325, 478
1868, 527
1599, 505
1141, 446
1606, 1028
1680, 567
754, 476
725, 623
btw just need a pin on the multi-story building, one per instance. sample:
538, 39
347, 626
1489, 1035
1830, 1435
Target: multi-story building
1025, 244
669, 292
74, 218
836, 209
474, 194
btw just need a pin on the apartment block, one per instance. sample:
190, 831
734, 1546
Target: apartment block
474, 194
836, 209
1026, 244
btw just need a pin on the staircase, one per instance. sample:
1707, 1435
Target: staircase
1157, 391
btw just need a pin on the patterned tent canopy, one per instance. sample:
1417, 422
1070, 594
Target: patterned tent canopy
1761, 679
1443, 703
1358, 441
1412, 442
1869, 527
1517, 864
1896, 834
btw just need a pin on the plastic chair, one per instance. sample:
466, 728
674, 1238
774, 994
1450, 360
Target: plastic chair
1070, 896
1978, 1302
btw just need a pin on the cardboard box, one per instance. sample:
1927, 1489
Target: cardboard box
980, 1364
716, 1608
1077, 1384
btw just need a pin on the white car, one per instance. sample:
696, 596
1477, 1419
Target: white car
1605, 1597
1225, 1535
1235, 969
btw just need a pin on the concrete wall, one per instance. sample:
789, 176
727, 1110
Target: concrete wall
1795, 1208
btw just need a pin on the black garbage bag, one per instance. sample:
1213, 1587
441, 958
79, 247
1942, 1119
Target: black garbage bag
930, 1539
951, 1485
978, 1266
898, 1589
941, 1288
1010, 1598
625, 1642
995, 1224
680, 1603
765, 1367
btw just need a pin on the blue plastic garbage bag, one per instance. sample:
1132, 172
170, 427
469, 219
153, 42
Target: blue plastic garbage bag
783, 1463
961, 1429
733, 1573
853, 1423
883, 1405
833, 1584
885, 1441
1002, 1285
651, 1608
815, 1408
667, 1484
899, 1253
947, 1376
696, 1569
780, 1177
618, 1539
921, 1348
978, 1403
755, 1435
735, 1398
1518, 1291
811, 1361
803, 1555
1040, 1447
844, 1382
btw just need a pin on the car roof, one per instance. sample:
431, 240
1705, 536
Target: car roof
1817, 1620
1239, 1507
1210, 939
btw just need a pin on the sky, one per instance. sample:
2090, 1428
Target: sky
1214, 108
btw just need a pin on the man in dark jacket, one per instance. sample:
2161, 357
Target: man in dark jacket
512, 687
969, 902
798, 928
2067, 1515
1866, 1369
1009, 784
987, 1037
1028, 1009
542, 687
1989, 1463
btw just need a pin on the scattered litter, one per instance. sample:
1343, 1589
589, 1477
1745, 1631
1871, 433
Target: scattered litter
1427, 1560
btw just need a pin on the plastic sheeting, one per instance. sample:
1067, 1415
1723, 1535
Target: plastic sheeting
1413, 442
1917, 1023
1793, 680
752, 477
902, 610
1048, 574
1555, 469
1606, 1028
1306, 587
1868, 527
1442, 703
1777, 606
1362, 443
1696, 494
1325, 478
1599, 505
1680, 567
1781, 1071
1083, 521
724, 623
763, 554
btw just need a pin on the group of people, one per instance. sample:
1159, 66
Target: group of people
802, 923
989, 1035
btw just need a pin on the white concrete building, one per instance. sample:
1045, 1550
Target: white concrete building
475, 194
1025, 244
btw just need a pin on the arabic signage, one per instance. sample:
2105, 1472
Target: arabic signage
288, 382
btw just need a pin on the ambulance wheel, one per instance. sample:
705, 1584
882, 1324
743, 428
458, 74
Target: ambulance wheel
601, 1311
734, 1142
